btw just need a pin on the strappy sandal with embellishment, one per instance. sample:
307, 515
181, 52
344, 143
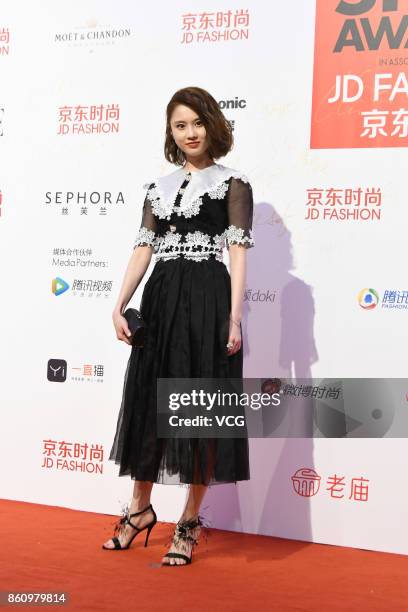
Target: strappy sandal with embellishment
186, 531
126, 520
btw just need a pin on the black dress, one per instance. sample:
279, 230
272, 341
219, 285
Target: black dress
187, 218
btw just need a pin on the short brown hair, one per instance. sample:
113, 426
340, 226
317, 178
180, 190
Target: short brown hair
219, 132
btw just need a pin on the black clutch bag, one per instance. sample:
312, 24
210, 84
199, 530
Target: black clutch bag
137, 326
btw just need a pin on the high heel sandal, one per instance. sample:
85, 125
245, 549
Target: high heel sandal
185, 532
126, 519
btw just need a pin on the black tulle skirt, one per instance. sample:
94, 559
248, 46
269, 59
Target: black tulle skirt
186, 305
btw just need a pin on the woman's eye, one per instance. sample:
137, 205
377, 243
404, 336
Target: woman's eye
180, 126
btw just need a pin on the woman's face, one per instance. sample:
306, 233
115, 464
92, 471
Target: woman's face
188, 132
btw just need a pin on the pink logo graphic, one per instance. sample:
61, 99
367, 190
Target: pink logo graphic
306, 482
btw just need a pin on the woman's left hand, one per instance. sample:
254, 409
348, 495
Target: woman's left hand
234, 338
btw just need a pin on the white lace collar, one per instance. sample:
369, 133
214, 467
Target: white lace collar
167, 187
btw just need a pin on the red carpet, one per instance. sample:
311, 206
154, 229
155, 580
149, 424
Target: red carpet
55, 549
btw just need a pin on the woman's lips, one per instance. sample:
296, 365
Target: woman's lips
193, 144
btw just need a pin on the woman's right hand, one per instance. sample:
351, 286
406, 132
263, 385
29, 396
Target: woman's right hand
121, 327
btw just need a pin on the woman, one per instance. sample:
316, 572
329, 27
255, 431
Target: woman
192, 307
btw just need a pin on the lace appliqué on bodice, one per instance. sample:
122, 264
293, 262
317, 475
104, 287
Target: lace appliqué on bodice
195, 245
188, 193
171, 245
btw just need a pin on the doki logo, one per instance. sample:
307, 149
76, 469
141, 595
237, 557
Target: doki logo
257, 295
363, 33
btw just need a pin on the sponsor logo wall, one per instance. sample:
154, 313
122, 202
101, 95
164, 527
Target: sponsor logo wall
317, 95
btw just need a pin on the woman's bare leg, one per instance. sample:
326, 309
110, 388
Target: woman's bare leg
193, 503
140, 500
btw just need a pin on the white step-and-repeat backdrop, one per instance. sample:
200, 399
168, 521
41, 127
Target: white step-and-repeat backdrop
317, 96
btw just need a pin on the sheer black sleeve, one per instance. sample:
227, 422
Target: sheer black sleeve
240, 212
147, 234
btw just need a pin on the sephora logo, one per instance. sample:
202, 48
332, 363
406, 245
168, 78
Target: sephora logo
84, 197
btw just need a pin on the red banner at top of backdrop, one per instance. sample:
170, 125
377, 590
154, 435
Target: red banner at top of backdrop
360, 85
